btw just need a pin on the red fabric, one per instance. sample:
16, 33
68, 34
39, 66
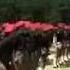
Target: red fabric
46, 27
0, 29
19, 24
67, 27
56, 28
9, 27
27, 24
61, 25
32, 26
38, 25
35, 26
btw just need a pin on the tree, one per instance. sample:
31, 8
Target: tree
46, 10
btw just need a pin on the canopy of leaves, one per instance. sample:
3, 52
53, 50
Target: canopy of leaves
37, 10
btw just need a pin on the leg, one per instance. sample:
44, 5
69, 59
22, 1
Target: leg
66, 54
54, 62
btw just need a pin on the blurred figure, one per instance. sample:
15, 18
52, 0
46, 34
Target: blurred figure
55, 51
2, 67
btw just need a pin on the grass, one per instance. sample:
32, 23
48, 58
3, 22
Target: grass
49, 67
65, 66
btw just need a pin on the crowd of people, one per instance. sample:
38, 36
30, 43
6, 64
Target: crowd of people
28, 50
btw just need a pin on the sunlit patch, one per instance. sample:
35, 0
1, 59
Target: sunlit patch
65, 58
39, 68
10, 63
18, 57
2, 67
69, 55
50, 57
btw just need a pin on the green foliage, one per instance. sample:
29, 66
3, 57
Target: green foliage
38, 10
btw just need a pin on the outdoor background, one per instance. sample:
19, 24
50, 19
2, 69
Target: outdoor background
54, 11
36, 10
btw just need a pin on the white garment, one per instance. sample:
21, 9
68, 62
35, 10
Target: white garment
54, 39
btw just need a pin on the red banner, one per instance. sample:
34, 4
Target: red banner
10, 27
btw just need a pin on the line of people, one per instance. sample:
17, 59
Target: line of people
28, 51
60, 50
